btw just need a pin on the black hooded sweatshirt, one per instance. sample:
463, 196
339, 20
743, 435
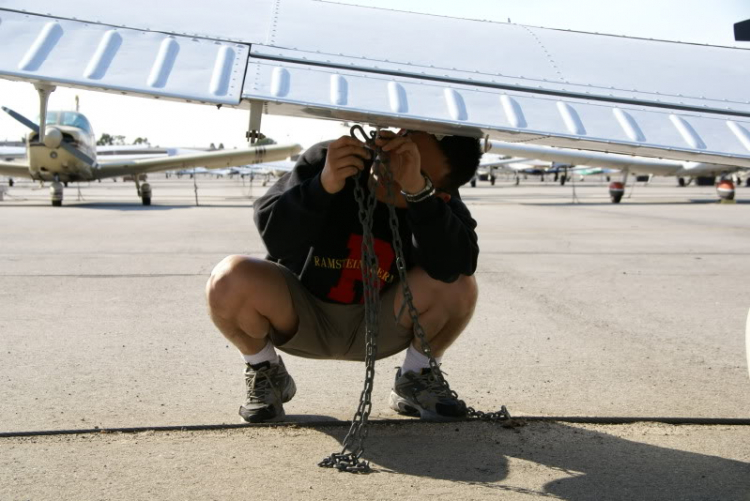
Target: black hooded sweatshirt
318, 236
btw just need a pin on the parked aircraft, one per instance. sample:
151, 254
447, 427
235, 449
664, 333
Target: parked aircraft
685, 172
62, 149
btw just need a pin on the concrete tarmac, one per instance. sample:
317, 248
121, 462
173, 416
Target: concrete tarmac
586, 309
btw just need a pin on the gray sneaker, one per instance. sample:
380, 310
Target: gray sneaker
420, 394
268, 387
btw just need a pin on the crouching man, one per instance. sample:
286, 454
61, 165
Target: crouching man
306, 298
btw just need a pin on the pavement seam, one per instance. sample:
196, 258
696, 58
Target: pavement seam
514, 422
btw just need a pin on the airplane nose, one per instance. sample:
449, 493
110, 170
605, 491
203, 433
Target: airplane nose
52, 138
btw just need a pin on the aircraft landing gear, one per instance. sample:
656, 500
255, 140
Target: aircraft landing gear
473, 182
56, 193
144, 190
492, 180
747, 182
616, 191
563, 179
681, 182
146, 194
11, 182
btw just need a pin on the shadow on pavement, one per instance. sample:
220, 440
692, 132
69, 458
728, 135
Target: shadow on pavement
557, 460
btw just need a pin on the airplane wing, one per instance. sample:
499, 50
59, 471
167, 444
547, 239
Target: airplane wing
511, 82
588, 158
211, 160
14, 169
11, 152
502, 164
498, 162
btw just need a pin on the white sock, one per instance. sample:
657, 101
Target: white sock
415, 360
267, 354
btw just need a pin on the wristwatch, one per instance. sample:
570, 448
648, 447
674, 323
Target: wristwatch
422, 194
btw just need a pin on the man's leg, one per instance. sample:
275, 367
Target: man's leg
246, 297
444, 312
444, 308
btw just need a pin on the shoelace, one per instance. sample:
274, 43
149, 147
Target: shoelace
259, 385
434, 386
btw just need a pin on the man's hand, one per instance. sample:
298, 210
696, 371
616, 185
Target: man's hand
346, 157
406, 162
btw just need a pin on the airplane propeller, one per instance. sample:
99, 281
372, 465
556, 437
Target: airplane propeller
53, 138
742, 31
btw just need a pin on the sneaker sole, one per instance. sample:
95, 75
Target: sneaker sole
278, 417
407, 408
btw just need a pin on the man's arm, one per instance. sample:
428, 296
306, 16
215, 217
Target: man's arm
291, 213
444, 240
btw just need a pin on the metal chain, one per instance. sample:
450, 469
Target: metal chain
354, 441
355, 438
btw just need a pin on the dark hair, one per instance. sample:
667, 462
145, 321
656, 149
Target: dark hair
463, 155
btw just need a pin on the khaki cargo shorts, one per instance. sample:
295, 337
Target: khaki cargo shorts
337, 331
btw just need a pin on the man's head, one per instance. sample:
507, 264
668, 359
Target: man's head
449, 162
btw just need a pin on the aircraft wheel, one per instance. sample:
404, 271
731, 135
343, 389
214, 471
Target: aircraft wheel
518, 181
492, 180
146, 193
474, 183
562, 180
56, 193
681, 182
616, 191
11, 182
747, 182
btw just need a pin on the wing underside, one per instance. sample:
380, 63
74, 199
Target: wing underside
210, 160
514, 83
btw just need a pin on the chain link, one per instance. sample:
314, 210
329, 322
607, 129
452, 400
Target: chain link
355, 438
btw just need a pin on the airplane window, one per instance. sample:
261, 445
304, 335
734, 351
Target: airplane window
73, 119
52, 118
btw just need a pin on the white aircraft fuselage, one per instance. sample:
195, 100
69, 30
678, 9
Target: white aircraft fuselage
49, 162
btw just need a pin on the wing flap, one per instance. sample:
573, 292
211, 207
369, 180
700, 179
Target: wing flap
210, 160
92, 55
439, 107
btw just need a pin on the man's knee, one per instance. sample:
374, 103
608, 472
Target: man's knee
228, 283
468, 293
465, 292
459, 296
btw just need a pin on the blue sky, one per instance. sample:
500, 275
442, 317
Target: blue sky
176, 124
